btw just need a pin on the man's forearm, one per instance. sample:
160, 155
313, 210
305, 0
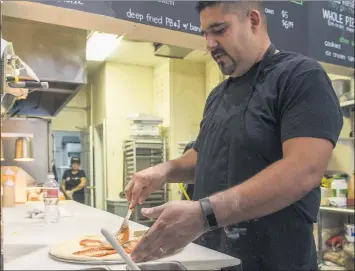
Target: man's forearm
77, 188
182, 169
276, 187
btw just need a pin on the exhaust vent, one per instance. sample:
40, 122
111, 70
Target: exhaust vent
170, 51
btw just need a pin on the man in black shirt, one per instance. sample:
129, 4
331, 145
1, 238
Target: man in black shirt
74, 181
265, 140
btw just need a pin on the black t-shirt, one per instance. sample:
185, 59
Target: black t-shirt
73, 180
293, 97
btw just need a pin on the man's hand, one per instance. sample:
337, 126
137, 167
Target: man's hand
144, 183
178, 224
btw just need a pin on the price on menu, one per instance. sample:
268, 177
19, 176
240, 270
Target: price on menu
286, 24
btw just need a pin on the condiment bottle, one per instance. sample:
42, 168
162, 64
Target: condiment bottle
20, 187
9, 193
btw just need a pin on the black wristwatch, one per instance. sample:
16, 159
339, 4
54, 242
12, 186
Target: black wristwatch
208, 214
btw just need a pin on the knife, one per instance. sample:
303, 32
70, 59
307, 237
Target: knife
123, 227
125, 223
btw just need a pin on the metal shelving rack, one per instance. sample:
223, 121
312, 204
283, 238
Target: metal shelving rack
140, 153
350, 211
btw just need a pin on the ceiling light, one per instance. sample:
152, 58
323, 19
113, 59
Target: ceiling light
23, 149
100, 45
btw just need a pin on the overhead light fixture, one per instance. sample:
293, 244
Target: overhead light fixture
23, 149
2, 153
100, 45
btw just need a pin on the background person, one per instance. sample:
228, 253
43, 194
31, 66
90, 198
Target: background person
73, 182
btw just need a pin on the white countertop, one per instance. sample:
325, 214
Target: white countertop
27, 241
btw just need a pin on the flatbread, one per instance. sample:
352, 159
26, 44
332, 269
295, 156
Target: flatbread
66, 249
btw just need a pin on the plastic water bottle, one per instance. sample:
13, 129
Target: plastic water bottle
51, 199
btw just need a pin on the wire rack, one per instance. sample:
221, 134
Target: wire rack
138, 154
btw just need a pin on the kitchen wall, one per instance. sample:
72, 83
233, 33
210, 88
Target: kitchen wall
73, 116
179, 97
187, 100
97, 102
161, 89
213, 76
173, 89
129, 89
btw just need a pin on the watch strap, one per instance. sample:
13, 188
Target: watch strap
208, 213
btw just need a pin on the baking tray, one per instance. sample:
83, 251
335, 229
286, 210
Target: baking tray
103, 262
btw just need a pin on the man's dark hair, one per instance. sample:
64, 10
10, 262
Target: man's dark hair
240, 7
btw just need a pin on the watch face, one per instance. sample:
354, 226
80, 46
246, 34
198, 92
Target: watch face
212, 221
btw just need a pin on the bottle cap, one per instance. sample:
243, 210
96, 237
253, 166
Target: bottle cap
50, 176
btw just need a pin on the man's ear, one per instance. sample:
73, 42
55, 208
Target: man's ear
255, 18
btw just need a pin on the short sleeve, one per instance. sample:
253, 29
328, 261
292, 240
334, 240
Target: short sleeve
197, 144
310, 108
65, 174
82, 174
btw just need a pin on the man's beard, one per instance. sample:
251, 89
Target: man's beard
227, 66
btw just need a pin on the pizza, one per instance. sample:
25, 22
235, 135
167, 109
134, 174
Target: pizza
95, 247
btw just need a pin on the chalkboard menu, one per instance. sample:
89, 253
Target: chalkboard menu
323, 30
96, 7
331, 32
287, 24
174, 15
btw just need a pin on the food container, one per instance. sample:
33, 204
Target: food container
325, 195
167, 266
339, 188
341, 87
34, 194
349, 232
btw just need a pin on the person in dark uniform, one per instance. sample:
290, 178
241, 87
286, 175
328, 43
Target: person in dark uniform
264, 143
73, 182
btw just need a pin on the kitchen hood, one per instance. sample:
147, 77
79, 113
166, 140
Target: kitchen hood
56, 54
170, 51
